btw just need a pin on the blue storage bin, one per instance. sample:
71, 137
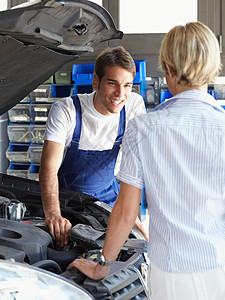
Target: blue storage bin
219, 94
61, 90
143, 206
164, 95
83, 73
18, 169
18, 152
140, 71
212, 93
81, 89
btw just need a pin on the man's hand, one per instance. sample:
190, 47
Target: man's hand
89, 268
59, 229
51, 159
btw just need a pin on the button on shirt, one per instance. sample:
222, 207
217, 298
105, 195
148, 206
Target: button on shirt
177, 151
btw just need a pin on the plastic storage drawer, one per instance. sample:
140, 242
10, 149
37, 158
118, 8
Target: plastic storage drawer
43, 93
136, 88
219, 92
40, 112
36, 132
27, 99
164, 95
20, 113
140, 71
34, 153
17, 169
33, 172
50, 80
18, 152
18, 133
63, 77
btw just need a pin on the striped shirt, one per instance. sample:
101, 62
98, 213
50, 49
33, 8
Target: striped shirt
177, 151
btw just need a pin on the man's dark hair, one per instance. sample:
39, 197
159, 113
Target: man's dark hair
117, 56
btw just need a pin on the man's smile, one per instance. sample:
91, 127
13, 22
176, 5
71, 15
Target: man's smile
115, 101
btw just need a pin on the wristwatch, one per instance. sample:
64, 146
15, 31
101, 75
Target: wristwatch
102, 261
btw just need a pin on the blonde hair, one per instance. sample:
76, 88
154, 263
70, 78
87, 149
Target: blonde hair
192, 53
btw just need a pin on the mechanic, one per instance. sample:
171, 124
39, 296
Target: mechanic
178, 152
83, 137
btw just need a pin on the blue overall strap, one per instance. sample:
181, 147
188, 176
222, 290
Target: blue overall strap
122, 124
77, 130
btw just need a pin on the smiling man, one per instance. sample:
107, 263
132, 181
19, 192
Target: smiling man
83, 138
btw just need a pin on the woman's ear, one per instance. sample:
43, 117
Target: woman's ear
169, 71
95, 81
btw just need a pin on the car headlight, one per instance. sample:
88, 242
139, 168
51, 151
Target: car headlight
24, 282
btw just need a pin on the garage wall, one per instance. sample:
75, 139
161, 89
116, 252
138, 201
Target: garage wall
146, 46
12, 3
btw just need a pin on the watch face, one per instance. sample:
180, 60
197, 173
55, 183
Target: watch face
102, 258
105, 263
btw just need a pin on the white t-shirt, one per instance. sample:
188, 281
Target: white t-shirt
98, 131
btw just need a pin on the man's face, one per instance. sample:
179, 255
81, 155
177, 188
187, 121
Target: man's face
113, 91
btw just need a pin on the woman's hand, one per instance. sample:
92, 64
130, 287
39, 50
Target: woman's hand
91, 269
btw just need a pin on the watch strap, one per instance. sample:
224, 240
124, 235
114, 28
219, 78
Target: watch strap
103, 262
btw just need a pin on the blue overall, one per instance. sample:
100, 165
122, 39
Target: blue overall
89, 171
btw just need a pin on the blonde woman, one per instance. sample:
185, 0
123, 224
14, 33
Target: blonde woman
178, 152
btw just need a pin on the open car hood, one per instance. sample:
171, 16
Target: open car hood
39, 37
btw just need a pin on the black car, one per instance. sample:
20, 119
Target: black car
37, 39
